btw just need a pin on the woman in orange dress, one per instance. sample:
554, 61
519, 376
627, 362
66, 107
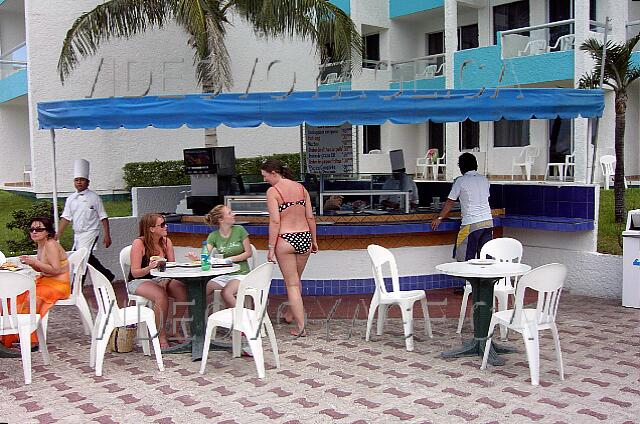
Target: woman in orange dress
53, 282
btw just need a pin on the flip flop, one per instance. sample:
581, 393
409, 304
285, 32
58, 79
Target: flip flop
295, 334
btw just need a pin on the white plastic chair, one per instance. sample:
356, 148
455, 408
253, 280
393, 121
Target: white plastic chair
425, 162
503, 250
547, 280
125, 265
439, 162
564, 43
26, 174
569, 162
110, 316
78, 265
250, 322
608, 167
331, 78
11, 322
383, 299
534, 47
428, 73
525, 161
216, 303
3, 258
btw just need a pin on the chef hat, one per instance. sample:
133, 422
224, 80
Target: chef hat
81, 168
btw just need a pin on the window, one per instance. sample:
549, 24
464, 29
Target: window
435, 45
371, 51
468, 37
559, 10
436, 136
559, 139
510, 16
371, 138
469, 135
510, 133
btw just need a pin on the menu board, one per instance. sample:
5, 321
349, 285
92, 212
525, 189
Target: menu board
329, 149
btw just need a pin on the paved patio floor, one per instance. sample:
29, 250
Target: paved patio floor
343, 379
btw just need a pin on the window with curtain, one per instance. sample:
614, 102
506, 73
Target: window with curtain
510, 133
510, 16
371, 138
469, 135
436, 136
468, 37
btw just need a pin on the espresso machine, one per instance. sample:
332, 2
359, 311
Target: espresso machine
211, 170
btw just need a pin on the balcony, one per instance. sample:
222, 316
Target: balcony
425, 72
335, 76
399, 8
13, 73
345, 5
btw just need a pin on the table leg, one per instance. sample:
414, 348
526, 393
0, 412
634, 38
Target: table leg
482, 304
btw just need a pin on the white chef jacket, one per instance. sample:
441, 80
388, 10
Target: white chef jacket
85, 211
473, 191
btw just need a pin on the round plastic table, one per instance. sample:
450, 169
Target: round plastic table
482, 279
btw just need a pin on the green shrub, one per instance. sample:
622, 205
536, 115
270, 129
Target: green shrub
170, 173
156, 173
20, 221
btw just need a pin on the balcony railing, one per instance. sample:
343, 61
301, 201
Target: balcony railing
539, 39
332, 73
419, 68
633, 27
13, 61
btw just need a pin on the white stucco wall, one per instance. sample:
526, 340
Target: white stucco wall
126, 72
163, 199
12, 29
14, 138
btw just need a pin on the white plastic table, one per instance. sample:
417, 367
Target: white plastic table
482, 279
196, 281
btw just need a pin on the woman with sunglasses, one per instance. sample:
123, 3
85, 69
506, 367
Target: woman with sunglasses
53, 282
153, 242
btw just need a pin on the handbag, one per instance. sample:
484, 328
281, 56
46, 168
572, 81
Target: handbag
123, 339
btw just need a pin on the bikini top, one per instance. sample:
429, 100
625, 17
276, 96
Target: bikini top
282, 207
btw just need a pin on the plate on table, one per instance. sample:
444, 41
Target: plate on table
172, 264
481, 261
10, 266
186, 264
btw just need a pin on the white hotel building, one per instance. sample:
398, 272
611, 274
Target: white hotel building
438, 44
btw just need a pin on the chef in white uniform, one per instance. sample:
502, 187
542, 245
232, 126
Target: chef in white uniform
85, 211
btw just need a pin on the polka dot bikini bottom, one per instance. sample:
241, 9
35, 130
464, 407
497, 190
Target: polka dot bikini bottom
301, 242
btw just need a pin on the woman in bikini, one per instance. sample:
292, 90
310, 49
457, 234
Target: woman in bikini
292, 234
151, 244
52, 284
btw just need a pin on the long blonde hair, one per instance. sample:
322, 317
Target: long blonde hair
146, 222
214, 216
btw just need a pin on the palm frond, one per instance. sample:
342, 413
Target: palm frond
589, 80
114, 18
316, 20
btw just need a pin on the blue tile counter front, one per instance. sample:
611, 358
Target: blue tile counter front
367, 285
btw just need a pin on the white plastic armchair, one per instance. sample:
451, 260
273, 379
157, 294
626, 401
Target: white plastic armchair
525, 161
547, 280
439, 163
423, 165
608, 166
383, 299
216, 303
247, 322
503, 249
331, 78
110, 316
11, 322
534, 47
564, 43
428, 73
3, 258
78, 267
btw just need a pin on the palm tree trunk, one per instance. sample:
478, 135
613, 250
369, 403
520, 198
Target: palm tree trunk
618, 181
210, 134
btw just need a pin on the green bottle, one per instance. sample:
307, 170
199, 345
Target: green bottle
205, 265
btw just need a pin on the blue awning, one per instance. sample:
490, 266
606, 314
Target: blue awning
369, 107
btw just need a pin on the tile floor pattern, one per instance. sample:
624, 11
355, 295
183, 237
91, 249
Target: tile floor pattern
344, 380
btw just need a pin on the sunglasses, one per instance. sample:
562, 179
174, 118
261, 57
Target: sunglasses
161, 225
37, 229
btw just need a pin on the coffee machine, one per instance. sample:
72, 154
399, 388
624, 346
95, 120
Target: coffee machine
211, 170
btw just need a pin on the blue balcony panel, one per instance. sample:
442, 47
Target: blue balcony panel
343, 4
344, 86
556, 66
436, 83
635, 59
399, 8
15, 85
